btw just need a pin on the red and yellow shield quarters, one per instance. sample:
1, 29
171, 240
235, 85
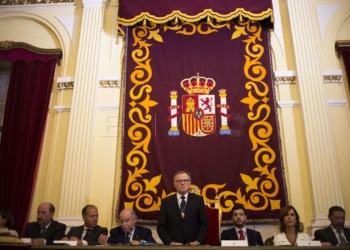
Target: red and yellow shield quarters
198, 117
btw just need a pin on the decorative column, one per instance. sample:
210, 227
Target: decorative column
174, 130
76, 173
224, 130
320, 146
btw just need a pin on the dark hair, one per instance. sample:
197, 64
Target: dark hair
335, 209
84, 211
182, 172
299, 226
7, 214
236, 207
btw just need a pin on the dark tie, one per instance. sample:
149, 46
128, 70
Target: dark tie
183, 203
88, 230
43, 229
127, 238
241, 235
341, 238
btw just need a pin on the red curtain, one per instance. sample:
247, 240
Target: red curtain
23, 128
345, 51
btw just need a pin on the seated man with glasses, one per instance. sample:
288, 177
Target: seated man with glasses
183, 218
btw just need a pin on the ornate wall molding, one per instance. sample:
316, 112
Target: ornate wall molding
64, 83
284, 77
60, 109
109, 83
332, 76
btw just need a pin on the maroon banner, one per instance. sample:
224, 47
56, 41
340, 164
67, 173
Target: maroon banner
199, 97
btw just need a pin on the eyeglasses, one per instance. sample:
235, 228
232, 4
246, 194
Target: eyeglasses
184, 181
238, 214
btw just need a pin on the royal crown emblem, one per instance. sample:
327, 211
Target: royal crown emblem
198, 108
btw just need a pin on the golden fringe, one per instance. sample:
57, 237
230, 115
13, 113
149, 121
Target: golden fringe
208, 13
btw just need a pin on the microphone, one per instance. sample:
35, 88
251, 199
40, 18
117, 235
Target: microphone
256, 242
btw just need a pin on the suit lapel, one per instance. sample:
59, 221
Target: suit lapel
334, 239
49, 231
233, 234
80, 231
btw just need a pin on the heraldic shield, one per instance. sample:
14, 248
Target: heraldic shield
198, 117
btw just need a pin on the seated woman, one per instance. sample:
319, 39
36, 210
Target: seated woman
7, 220
291, 229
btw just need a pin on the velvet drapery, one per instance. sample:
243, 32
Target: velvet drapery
25, 115
345, 52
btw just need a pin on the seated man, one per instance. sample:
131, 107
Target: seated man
128, 233
240, 231
45, 230
336, 234
88, 233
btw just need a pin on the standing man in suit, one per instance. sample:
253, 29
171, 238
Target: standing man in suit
88, 233
45, 230
240, 231
128, 233
182, 219
335, 234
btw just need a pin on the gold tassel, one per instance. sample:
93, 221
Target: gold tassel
144, 22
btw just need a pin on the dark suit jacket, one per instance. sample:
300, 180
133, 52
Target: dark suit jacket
55, 231
172, 227
327, 235
117, 236
93, 236
254, 237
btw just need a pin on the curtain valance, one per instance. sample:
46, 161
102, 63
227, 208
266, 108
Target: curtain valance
18, 51
132, 12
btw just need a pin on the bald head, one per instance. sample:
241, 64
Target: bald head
45, 213
127, 218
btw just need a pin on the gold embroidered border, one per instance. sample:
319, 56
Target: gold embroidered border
208, 13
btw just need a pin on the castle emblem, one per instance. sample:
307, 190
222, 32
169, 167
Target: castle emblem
198, 108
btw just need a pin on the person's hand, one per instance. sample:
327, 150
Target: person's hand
344, 244
135, 242
38, 242
80, 243
326, 244
176, 244
102, 239
195, 243
65, 238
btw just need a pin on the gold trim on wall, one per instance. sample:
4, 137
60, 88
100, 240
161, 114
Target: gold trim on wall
285, 80
109, 83
65, 85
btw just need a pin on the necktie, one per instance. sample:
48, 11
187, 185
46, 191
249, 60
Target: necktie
127, 238
183, 203
341, 238
88, 230
241, 235
43, 229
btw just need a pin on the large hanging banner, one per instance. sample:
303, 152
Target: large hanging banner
199, 97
